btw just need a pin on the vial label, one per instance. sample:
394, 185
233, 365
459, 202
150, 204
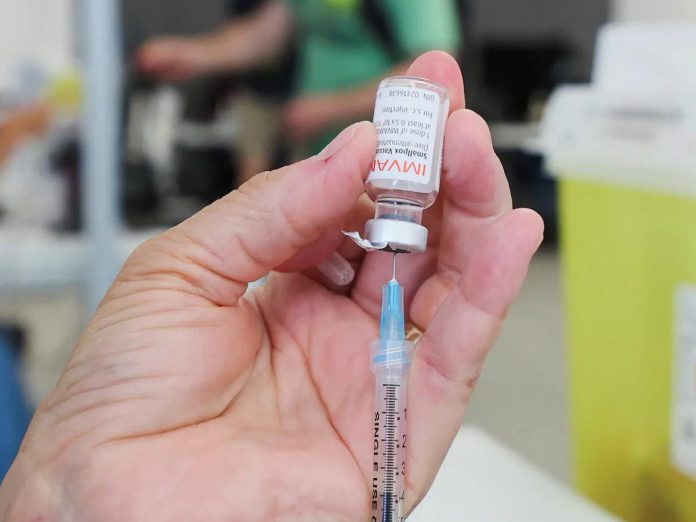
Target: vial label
406, 120
684, 398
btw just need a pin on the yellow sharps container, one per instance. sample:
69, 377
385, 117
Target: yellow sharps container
627, 194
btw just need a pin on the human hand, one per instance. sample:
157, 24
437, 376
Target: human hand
176, 58
306, 116
188, 400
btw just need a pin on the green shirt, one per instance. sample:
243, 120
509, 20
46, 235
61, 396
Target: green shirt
340, 48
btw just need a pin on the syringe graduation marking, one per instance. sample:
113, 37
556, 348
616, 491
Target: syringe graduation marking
389, 436
389, 453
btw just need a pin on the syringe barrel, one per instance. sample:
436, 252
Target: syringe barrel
390, 364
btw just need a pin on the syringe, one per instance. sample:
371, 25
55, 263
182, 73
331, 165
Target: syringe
390, 362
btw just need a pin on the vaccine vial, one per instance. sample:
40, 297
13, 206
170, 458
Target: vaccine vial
410, 118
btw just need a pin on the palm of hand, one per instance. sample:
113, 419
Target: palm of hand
287, 403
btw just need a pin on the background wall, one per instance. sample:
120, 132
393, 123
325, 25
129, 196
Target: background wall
653, 10
576, 21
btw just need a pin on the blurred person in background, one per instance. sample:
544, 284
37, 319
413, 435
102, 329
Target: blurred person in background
345, 48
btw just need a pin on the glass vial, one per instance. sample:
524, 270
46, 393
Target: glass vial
410, 118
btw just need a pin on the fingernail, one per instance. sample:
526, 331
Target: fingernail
337, 269
339, 142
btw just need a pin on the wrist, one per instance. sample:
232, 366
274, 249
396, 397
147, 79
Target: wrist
339, 107
352, 105
208, 57
217, 53
333, 109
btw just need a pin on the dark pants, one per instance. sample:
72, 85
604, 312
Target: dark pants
14, 413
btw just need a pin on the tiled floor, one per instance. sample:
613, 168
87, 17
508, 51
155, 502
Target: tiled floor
520, 399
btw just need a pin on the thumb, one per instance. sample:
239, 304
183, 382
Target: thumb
252, 230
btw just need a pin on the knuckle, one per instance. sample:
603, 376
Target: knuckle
444, 380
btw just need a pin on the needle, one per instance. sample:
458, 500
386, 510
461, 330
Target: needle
390, 363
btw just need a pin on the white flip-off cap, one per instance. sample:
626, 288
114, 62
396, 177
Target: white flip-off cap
392, 235
398, 235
